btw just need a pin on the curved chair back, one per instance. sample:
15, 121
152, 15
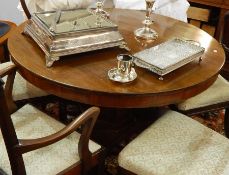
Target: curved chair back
25, 8
16, 147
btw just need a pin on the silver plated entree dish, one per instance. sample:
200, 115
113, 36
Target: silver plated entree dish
66, 32
168, 56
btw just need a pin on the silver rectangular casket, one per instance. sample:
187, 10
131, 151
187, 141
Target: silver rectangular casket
60, 33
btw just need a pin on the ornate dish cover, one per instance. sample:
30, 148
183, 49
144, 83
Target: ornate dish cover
68, 32
168, 56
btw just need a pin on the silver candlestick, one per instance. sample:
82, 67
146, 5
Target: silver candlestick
146, 32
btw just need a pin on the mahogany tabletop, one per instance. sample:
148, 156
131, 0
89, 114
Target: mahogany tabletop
83, 77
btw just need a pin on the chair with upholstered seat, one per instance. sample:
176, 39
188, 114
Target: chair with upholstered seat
20, 89
216, 97
31, 142
176, 145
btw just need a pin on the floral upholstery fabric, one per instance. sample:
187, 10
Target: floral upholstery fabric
177, 145
218, 92
22, 89
32, 123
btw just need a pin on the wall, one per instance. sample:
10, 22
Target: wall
9, 11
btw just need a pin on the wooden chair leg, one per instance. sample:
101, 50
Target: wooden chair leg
6, 53
63, 110
122, 171
101, 165
226, 122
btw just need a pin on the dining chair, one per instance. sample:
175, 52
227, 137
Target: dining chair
201, 17
20, 90
225, 44
176, 145
216, 97
198, 16
31, 142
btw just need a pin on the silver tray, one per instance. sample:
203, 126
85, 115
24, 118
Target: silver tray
168, 56
60, 33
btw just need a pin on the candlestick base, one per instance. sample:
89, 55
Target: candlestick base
146, 33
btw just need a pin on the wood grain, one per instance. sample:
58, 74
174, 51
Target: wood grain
83, 77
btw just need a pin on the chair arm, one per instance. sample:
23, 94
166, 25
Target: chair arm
6, 68
87, 119
9, 68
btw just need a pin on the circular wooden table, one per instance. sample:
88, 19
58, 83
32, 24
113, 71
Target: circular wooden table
4, 38
83, 77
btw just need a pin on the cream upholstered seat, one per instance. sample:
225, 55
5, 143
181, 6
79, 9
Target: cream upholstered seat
216, 93
216, 97
176, 145
31, 142
22, 89
30, 123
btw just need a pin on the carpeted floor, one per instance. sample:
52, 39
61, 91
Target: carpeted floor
213, 120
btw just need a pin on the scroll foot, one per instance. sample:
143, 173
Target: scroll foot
200, 59
161, 78
50, 60
123, 45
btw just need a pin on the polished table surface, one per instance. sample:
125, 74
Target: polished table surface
83, 77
